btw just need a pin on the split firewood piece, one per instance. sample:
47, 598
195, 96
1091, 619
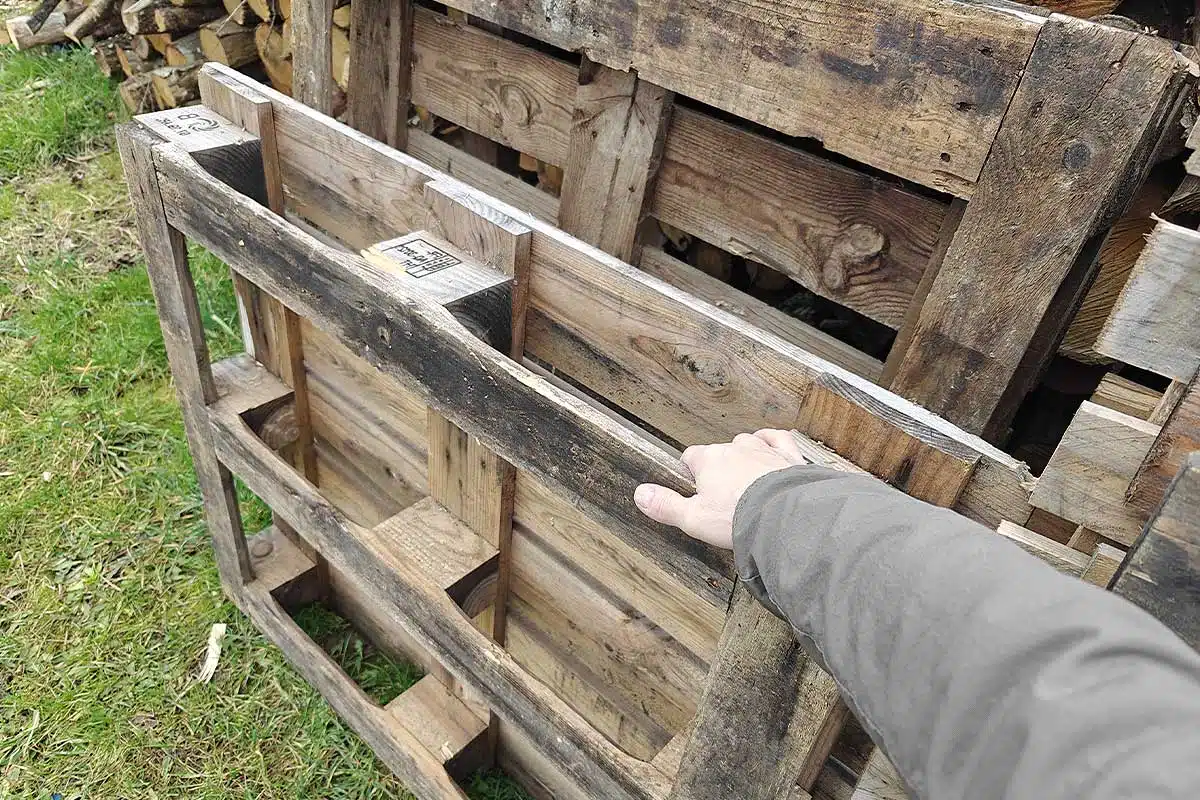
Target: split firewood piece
266, 10
340, 50
239, 11
137, 93
159, 42
225, 41
341, 16
285, 8
52, 30
105, 53
185, 50
133, 64
141, 45
160, 16
176, 86
38, 18
276, 54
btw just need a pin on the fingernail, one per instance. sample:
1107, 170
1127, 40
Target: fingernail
642, 495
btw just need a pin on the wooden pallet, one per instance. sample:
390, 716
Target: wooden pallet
966, 182
461, 504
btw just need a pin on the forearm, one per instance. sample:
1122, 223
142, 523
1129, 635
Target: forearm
981, 671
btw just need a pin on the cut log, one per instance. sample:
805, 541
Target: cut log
105, 53
185, 50
341, 16
159, 16
92, 19
227, 42
133, 64
39, 17
159, 42
51, 32
276, 54
266, 10
176, 86
239, 11
140, 44
137, 93
285, 8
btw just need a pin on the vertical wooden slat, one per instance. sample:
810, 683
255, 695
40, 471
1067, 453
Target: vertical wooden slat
1006, 289
183, 334
380, 69
312, 53
1161, 572
617, 131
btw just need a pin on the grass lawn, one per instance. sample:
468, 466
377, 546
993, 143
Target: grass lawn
107, 585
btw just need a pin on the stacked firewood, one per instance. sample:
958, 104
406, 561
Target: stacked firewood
157, 46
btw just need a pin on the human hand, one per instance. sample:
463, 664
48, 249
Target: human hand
723, 473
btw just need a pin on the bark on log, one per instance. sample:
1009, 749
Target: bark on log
276, 54
105, 53
239, 11
133, 64
51, 32
90, 19
160, 16
185, 50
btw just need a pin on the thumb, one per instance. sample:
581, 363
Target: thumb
661, 504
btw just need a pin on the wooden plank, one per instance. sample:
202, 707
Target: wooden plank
852, 75
1126, 396
880, 781
445, 725
1161, 574
1063, 558
312, 54
695, 282
505, 91
488, 179
650, 682
418, 342
377, 96
183, 335
1155, 323
435, 622
283, 569
628, 337
1179, 436
608, 561
1091, 468
760, 697
1076, 140
843, 234
1103, 565
617, 131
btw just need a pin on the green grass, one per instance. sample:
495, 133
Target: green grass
107, 585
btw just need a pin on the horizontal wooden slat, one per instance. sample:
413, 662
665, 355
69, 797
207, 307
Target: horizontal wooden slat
1155, 323
446, 726
510, 93
483, 176
759, 314
840, 233
1091, 469
851, 74
1064, 559
663, 347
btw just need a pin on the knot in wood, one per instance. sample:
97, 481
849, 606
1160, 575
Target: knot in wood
856, 250
1077, 155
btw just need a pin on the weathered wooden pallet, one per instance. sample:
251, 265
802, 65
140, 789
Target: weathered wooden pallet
1017, 141
456, 500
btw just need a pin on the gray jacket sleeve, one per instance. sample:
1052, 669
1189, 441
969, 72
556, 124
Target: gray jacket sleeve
980, 671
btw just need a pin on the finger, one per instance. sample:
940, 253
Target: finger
662, 504
748, 440
693, 457
783, 442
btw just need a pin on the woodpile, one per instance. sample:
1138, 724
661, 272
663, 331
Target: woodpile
157, 46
